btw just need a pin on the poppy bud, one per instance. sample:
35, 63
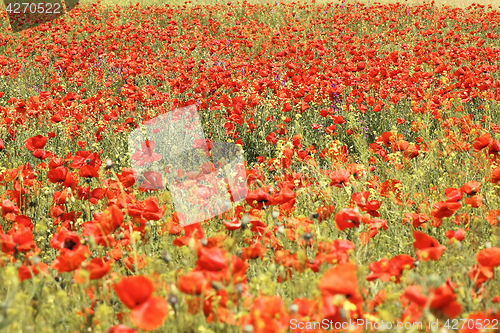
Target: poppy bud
245, 219
281, 229
275, 214
173, 290
248, 328
294, 308
217, 285
35, 259
191, 243
204, 241
343, 314
434, 280
487, 245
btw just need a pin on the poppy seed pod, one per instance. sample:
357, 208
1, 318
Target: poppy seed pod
109, 164
307, 236
172, 300
314, 215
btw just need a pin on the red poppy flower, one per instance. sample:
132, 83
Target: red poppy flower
286, 195
416, 219
482, 142
148, 209
361, 200
127, 177
390, 185
98, 267
35, 142
475, 201
385, 269
495, 175
443, 301
268, 315
489, 257
254, 251
121, 329
471, 187
340, 178
19, 238
260, 197
494, 150
341, 279
458, 235
148, 312
415, 294
389, 138
480, 274
325, 212
88, 171
193, 283
69, 260
445, 209
82, 158
65, 239
41, 154
347, 218
57, 175
427, 247
212, 259
234, 224
453, 194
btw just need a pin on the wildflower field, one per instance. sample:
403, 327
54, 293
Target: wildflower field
369, 191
